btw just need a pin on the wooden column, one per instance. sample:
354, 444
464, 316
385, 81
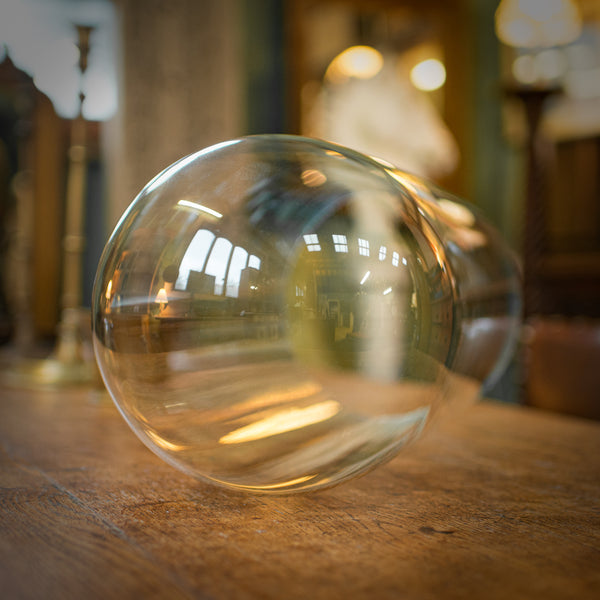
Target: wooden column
180, 80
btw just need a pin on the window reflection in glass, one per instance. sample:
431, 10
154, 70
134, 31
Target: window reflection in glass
194, 257
239, 258
312, 242
340, 243
218, 262
363, 247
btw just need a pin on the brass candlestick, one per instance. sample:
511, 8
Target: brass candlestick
68, 348
68, 363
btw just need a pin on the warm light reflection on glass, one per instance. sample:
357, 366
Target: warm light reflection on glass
409, 181
469, 239
313, 178
384, 163
161, 297
162, 443
459, 214
362, 62
428, 75
537, 23
199, 207
109, 290
282, 421
280, 396
296, 393
275, 486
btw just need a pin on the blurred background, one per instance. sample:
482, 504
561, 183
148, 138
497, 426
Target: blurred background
497, 102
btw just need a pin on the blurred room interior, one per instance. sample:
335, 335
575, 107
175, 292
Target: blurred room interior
499, 105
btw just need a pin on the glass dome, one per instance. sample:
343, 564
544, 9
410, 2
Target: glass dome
278, 314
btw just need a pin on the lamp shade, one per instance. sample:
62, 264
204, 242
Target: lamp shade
537, 24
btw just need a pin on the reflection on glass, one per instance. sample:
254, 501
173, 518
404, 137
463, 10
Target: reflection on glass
269, 349
218, 262
282, 421
340, 243
239, 259
312, 243
196, 206
254, 262
313, 178
363, 247
195, 256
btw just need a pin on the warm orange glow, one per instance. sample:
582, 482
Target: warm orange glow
162, 443
282, 421
275, 486
313, 178
459, 214
162, 297
259, 401
109, 290
287, 395
412, 183
362, 62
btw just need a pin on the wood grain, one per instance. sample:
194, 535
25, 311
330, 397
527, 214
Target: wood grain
496, 502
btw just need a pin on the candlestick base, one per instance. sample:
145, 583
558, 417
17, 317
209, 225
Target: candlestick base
70, 364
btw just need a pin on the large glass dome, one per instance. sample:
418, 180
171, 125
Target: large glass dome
278, 314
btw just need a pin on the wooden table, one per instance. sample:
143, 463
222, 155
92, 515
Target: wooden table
497, 502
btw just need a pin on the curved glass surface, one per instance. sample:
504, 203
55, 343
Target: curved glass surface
279, 314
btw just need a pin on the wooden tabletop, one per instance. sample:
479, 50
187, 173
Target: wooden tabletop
496, 501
